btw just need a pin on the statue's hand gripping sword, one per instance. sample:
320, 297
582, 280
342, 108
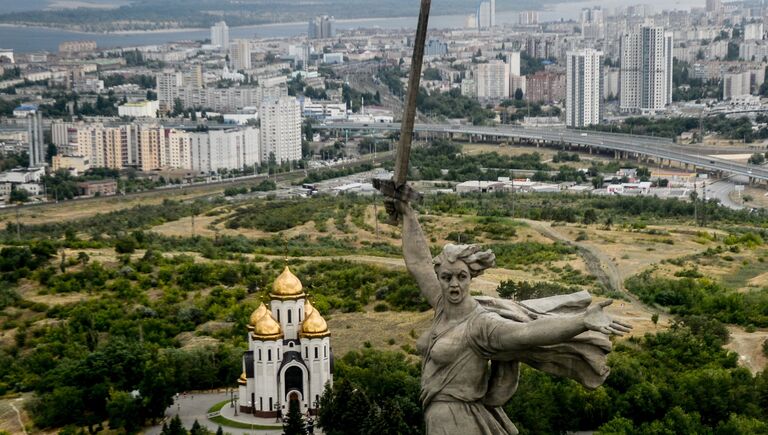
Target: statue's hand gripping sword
396, 187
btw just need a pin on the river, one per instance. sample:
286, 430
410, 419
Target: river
30, 39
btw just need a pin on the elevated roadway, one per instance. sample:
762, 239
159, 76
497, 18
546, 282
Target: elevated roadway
624, 145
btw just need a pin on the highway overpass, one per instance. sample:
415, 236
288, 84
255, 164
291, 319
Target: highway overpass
660, 150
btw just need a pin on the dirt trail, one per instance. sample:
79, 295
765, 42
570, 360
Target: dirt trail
604, 269
749, 346
598, 263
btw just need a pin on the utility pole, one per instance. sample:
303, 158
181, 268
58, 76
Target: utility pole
704, 205
513, 195
18, 227
694, 196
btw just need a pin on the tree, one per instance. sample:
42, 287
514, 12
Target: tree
198, 429
175, 428
178, 106
83, 258
126, 245
19, 195
597, 182
590, 216
124, 412
307, 130
756, 159
518, 94
294, 423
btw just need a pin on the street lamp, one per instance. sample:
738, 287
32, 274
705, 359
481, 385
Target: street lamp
279, 414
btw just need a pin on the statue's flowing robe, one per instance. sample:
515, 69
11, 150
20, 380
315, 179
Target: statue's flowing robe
462, 393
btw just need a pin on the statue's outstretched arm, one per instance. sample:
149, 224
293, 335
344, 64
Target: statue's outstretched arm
418, 259
546, 331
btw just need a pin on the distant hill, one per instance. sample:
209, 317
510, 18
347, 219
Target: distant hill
170, 14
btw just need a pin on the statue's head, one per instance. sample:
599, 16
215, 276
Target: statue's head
457, 265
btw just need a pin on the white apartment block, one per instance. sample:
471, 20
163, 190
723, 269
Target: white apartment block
280, 129
188, 87
215, 150
492, 80
646, 70
240, 54
168, 84
753, 50
753, 32
149, 147
104, 147
611, 83
527, 18
513, 60
220, 35
584, 88
486, 14
736, 85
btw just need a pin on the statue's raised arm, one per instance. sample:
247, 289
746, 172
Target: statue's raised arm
418, 258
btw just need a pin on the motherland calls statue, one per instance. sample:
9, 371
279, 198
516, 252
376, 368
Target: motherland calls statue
461, 393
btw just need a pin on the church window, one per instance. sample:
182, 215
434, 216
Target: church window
289, 317
259, 354
299, 314
270, 403
306, 352
278, 315
325, 351
261, 403
269, 354
315, 351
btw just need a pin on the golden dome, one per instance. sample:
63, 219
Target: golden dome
242, 380
267, 328
256, 315
314, 325
287, 286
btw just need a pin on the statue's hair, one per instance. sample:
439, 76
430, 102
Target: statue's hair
475, 259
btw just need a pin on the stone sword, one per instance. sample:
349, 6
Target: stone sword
396, 187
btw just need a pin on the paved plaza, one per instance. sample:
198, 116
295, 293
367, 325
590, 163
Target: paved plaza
191, 407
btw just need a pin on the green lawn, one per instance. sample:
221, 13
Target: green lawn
223, 421
217, 407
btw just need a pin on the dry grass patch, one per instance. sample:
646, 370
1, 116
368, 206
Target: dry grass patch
350, 331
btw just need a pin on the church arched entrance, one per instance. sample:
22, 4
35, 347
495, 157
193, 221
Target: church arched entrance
294, 397
294, 382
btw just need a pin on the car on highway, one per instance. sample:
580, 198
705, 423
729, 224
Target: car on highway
583, 134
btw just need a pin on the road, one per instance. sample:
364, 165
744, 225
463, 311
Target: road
721, 190
660, 148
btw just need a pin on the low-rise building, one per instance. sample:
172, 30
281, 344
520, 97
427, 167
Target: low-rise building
139, 109
74, 164
98, 188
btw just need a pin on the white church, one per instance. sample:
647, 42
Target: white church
289, 353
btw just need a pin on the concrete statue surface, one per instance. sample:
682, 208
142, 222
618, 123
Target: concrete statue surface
473, 350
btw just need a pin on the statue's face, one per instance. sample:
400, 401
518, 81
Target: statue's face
454, 279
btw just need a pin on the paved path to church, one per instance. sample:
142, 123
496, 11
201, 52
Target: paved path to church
191, 407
